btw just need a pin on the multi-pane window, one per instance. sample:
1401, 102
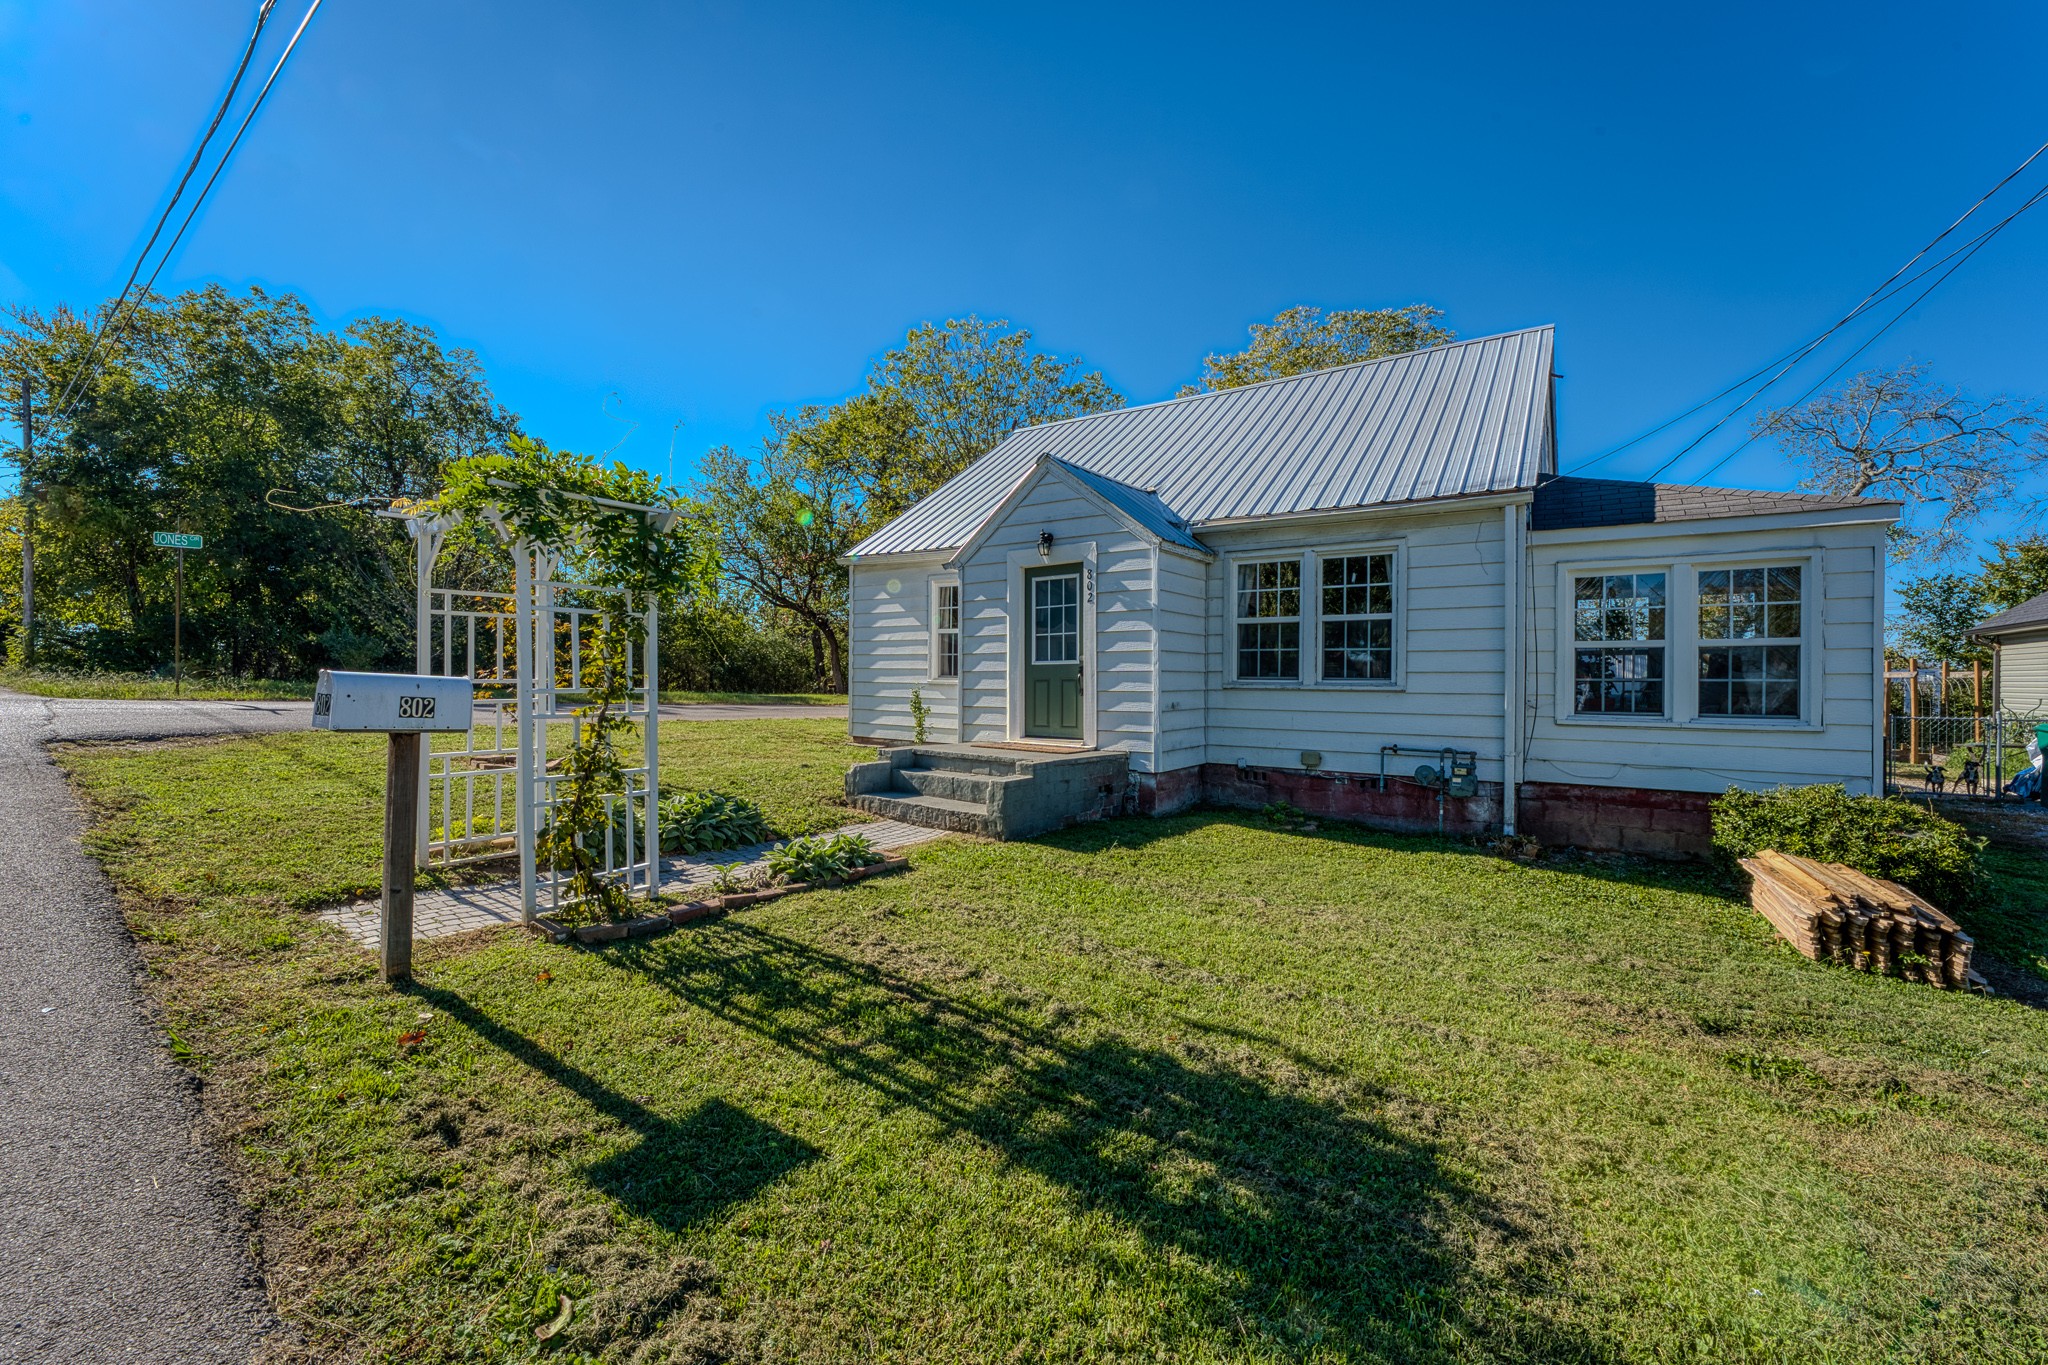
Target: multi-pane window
1056, 619
1618, 650
1269, 619
1750, 641
946, 630
1358, 617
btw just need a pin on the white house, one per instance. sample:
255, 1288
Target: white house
1310, 588
2019, 656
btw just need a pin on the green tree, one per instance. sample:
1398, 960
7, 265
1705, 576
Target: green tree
945, 397
221, 413
1306, 338
1894, 434
1935, 616
827, 475
2017, 573
780, 523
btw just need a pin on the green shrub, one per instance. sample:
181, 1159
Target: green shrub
705, 822
820, 857
1883, 836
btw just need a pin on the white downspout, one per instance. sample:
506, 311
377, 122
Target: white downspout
1511, 664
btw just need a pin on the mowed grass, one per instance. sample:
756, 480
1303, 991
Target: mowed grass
756, 698
148, 687
1191, 1090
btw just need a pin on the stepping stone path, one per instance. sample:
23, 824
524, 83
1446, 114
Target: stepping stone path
459, 909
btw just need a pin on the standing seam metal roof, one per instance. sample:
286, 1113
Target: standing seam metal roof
1465, 418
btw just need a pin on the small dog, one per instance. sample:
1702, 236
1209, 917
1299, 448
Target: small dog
1969, 777
1937, 778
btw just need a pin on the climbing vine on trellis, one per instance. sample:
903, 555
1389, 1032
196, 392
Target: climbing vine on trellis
558, 500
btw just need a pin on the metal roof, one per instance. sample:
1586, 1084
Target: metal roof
1141, 505
2031, 614
1465, 418
1567, 502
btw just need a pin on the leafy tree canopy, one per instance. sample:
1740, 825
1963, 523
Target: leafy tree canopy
221, 413
2017, 573
1936, 614
1306, 338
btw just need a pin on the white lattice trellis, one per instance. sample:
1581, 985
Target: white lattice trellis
526, 653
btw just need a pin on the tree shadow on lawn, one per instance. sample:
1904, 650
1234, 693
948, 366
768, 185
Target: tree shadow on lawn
681, 1171
1317, 1227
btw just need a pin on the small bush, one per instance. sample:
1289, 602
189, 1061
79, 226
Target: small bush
1883, 836
705, 822
816, 859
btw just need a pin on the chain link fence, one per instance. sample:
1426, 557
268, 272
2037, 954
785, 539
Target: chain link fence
1968, 756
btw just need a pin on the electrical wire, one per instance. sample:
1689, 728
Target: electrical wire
1982, 239
198, 153
233, 143
1792, 358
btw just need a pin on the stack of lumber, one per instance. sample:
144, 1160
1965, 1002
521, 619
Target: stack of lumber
1834, 913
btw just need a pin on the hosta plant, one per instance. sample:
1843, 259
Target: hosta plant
819, 858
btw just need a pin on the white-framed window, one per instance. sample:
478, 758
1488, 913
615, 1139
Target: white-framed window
1356, 617
1268, 619
945, 629
1752, 641
1714, 640
1618, 643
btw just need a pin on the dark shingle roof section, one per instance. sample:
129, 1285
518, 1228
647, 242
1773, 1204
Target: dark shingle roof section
1568, 503
2031, 614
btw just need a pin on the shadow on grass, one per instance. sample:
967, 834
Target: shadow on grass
1318, 1227
681, 1171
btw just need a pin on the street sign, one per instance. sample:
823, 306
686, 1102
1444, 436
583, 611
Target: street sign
178, 540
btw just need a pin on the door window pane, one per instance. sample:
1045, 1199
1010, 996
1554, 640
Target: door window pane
1056, 619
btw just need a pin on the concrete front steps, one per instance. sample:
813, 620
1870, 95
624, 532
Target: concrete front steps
993, 792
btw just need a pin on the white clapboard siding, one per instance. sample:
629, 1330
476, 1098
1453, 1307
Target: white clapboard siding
1835, 743
889, 621
1118, 684
1449, 639
1183, 616
2023, 673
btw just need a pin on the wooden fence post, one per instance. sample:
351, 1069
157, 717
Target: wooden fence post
1912, 710
1977, 696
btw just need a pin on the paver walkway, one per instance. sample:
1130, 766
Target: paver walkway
457, 910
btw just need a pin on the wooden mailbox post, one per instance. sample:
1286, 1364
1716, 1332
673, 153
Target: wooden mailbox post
403, 706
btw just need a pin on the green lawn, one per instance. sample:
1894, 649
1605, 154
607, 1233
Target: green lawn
148, 687
1192, 1089
757, 698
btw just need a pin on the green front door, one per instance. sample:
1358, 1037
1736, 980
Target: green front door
1052, 657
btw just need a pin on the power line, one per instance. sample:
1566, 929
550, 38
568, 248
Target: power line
198, 153
1793, 357
1982, 240
233, 143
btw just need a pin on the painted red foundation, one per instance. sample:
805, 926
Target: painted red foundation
1654, 823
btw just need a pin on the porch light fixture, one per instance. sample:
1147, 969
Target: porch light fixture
1044, 544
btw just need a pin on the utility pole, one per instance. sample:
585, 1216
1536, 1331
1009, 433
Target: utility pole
28, 531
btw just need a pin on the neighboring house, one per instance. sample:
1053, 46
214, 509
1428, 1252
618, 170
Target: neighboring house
1286, 590
2019, 656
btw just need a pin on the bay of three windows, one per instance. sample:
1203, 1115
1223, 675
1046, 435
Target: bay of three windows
1353, 619
1750, 655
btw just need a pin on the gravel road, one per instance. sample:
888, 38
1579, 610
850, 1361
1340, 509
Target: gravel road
119, 1230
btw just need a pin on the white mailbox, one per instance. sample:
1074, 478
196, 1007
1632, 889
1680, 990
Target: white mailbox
394, 703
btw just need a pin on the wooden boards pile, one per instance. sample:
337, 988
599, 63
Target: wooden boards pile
1834, 913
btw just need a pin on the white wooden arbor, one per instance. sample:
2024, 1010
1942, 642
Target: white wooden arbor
526, 657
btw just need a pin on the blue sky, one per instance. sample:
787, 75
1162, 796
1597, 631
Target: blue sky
716, 210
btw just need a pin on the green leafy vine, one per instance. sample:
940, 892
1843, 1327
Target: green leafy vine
569, 505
